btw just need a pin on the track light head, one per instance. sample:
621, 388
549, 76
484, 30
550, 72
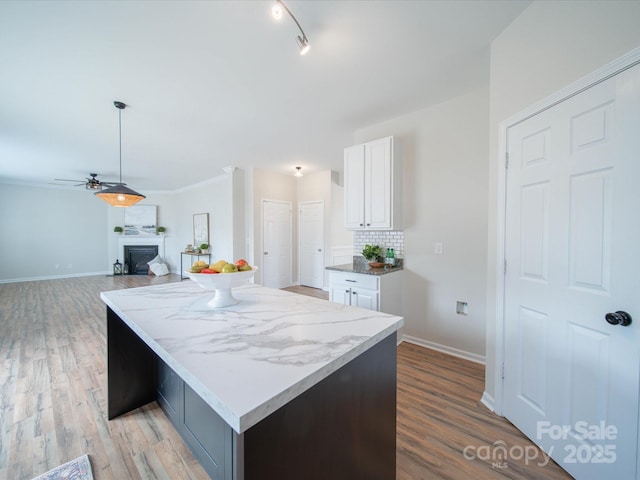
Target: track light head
277, 12
303, 44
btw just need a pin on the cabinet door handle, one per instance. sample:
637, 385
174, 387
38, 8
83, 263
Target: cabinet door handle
368, 224
362, 224
355, 293
352, 281
346, 291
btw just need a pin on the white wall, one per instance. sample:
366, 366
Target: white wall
215, 198
74, 227
445, 162
45, 227
550, 45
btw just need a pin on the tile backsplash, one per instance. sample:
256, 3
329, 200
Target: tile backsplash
385, 239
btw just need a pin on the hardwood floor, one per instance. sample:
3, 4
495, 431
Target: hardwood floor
311, 292
53, 399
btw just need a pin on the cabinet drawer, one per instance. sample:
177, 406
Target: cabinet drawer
355, 280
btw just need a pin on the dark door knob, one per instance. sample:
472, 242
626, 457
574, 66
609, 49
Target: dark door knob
618, 318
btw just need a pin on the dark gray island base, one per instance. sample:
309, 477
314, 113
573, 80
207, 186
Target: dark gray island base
342, 428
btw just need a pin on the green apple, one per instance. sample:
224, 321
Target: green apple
229, 268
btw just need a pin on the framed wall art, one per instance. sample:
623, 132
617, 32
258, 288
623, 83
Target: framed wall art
140, 220
200, 229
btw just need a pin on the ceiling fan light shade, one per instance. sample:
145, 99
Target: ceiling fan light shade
303, 44
120, 196
298, 172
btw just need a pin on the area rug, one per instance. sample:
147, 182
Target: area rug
78, 469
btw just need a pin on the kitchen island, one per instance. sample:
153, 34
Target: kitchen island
279, 386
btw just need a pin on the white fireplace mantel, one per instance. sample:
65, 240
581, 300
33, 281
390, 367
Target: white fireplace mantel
127, 240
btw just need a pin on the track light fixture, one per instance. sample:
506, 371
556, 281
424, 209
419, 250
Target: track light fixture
277, 12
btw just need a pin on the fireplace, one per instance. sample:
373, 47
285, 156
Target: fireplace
137, 256
156, 241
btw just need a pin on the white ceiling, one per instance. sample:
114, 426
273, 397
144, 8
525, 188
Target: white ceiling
217, 83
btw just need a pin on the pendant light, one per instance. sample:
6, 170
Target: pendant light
120, 195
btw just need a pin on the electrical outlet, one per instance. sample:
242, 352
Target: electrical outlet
437, 248
462, 308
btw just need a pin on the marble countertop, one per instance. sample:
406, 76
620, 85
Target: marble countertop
248, 360
362, 268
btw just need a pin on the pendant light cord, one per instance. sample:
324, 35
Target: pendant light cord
120, 137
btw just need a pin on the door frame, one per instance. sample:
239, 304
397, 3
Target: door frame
324, 258
619, 65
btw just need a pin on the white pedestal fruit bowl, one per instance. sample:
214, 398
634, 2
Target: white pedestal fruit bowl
222, 284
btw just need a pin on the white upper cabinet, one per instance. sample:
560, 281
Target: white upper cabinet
373, 186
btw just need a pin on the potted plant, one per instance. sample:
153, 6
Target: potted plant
371, 253
160, 230
204, 248
117, 230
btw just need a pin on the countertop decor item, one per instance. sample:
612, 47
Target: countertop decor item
221, 284
371, 252
376, 264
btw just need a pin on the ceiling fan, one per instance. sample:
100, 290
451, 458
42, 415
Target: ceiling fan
91, 183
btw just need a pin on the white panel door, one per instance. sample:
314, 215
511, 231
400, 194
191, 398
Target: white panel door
276, 253
311, 244
572, 244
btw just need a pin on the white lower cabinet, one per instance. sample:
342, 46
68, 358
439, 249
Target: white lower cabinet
381, 293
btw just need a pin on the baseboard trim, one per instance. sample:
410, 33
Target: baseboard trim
445, 349
55, 277
488, 401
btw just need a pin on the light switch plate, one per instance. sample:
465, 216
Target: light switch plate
437, 248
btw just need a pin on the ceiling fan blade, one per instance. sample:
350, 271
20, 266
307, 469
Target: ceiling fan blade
67, 180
